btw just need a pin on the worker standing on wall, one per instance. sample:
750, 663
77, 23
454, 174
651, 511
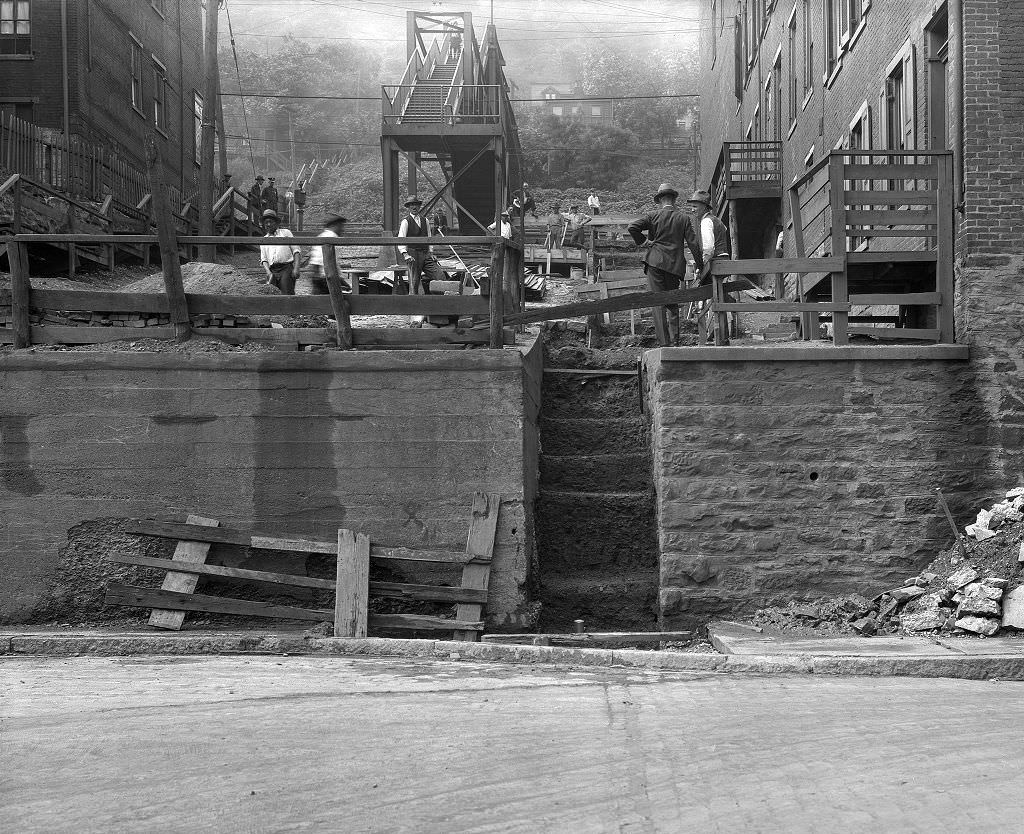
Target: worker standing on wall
279, 260
418, 258
714, 239
667, 229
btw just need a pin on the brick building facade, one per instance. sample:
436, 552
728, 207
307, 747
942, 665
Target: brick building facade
131, 66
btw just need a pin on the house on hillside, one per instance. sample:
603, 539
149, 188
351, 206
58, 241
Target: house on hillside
557, 99
109, 72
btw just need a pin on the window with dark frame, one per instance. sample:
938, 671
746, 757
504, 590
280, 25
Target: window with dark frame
136, 79
805, 23
15, 27
794, 102
159, 97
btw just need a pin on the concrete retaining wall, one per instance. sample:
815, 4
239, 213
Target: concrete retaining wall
794, 472
393, 443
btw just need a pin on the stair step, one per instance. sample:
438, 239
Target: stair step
605, 603
596, 473
591, 435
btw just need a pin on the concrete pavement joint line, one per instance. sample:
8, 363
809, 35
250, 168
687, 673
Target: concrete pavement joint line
976, 667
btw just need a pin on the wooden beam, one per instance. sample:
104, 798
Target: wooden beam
420, 622
188, 551
223, 572
351, 600
483, 528
590, 639
134, 597
924, 334
170, 265
339, 299
17, 258
758, 266
904, 299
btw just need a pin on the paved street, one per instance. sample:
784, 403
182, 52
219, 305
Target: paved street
266, 744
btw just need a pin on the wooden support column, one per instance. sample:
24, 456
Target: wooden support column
412, 160
170, 265
389, 156
945, 250
496, 298
21, 290
840, 293
352, 592
339, 300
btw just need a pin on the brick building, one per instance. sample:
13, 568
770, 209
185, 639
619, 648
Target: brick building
108, 71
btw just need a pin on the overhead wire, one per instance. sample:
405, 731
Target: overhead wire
238, 75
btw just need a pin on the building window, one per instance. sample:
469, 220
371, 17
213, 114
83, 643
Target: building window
898, 101
792, 81
805, 24
136, 75
20, 109
833, 34
15, 28
860, 138
556, 111
595, 111
197, 126
159, 96
775, 95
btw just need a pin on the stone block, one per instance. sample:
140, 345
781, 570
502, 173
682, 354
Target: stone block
926, 620
962, 577
978, 625
1013, 609
978, 605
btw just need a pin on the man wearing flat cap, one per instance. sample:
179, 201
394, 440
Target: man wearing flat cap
420, 260
668, 228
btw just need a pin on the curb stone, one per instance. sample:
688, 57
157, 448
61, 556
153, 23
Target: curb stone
967, 667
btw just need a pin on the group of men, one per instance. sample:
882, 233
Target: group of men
665, 234
262, 197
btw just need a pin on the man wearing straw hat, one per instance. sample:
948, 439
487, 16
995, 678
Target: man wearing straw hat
714, 241
418, 258
280, 260
667, 229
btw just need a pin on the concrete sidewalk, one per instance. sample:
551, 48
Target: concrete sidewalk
871, 657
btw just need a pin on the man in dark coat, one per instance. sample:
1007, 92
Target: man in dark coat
269, 197
256, 201
668, 229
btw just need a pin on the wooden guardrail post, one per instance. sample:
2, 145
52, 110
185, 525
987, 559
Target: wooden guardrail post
170, 265
497, 296
352, 591
21, 289
945, 229
840, 292
339, 301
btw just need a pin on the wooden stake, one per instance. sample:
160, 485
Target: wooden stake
351, 601
171, 267
339, 300
21, 290
483, 528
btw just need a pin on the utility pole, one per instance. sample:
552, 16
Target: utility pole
206, 181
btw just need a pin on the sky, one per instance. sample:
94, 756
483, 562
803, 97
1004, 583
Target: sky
523, 25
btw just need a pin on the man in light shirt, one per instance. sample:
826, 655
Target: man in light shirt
334, 226
714, 235
280, 260
594, 202
418, 258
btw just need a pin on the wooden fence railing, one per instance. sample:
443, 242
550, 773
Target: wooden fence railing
176, 314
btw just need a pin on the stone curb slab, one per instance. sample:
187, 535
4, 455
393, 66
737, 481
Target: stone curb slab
969, 667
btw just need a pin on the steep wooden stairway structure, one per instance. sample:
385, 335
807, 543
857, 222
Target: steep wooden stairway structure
451, 107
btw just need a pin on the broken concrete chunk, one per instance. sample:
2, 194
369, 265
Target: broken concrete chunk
978, 625
1020, 553
935, 599
887, 607
980, 533
978, 605
928, 577
865, 625
908, 593
987, 591
995, 582
1015, 492
926, 620
807, 612
1013, 608
962, 577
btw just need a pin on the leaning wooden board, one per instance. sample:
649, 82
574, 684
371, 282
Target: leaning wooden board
185, 583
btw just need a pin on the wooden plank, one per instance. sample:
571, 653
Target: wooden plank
896, 333
840, 291
890, 172
242, 538
798, 222
42, 208
133, 597
247, 240
881, 257
623, 302
890, 198
361, 336
597, 638
483, 527
779, 307
351, 596
757, 266
903, 299
496, 296
421, 622
340, 304
426, 593
907, 232
882, 217
200, 569
21, 323
189, 551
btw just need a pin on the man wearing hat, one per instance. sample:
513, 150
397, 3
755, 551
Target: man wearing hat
418, 258
256, 200
714, 235
574, 227
334, 226
269, 196
280, 260
668, 229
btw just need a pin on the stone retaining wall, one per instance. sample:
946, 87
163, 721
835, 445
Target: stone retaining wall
791, 472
